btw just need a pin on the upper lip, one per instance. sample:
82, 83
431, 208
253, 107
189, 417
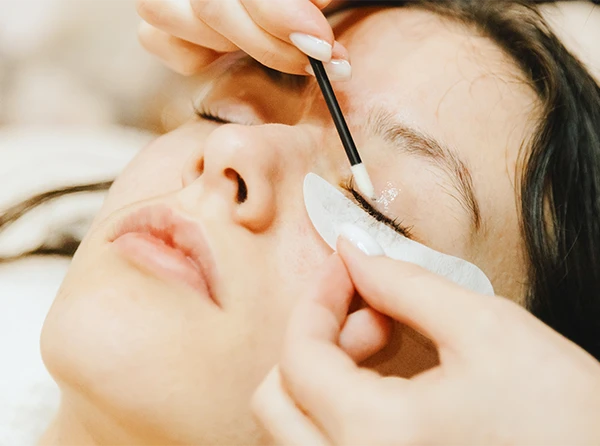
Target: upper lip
175, 230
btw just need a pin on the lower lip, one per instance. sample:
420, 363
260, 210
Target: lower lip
153, 255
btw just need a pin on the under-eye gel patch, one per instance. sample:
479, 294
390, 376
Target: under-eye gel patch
329, 209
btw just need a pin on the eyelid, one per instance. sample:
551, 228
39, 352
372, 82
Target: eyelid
365, 204
249, 99
235, 113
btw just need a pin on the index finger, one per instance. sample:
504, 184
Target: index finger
439, 309
291, 16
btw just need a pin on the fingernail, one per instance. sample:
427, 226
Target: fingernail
361, 239
312, 46
337, 70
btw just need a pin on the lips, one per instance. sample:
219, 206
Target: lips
159, 241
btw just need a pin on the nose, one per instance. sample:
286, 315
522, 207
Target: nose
247, 166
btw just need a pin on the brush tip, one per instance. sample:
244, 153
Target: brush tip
363, 181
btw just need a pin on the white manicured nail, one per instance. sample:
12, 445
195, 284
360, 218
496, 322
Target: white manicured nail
337, 70
312, 46
361, 239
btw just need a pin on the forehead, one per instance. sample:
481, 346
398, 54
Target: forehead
433, 72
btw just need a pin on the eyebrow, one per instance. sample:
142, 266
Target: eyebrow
414, 142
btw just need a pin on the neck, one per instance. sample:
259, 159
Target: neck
79, 423
67, 429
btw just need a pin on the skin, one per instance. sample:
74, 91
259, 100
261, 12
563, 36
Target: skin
142, 360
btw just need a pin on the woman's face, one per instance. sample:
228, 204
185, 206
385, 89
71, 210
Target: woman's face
439, 116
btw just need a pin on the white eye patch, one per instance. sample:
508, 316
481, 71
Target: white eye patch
329, 210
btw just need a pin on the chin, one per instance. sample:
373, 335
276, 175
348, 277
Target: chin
133, 350
97, 339
133, 382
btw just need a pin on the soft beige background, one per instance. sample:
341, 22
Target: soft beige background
78, 63
78, 98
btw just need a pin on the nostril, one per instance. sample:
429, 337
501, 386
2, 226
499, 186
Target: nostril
200, 166
242, 194
242, 189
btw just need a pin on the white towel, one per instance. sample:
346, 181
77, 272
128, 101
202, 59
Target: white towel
34, 160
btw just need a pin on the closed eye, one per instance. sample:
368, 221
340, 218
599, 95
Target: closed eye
235, 114
204, 113
397, 226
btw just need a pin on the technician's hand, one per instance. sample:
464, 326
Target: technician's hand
188, 35
503, 378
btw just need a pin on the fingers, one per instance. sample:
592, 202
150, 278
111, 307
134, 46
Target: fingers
279, 34
365, 333
177, 18
283, 18
324, 4
230, 19
318, 375
432, 305
317, 322
278, 413
181, 56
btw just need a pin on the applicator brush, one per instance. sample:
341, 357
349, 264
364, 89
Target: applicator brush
359, 171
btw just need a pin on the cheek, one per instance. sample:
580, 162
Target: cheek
288, 273
303, 256
157, 170
152, 173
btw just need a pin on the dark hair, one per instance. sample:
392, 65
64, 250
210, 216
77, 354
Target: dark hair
66, 243
560, 185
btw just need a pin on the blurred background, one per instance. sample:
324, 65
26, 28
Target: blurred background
78, 99
78, 62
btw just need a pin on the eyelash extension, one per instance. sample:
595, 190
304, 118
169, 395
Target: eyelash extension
396, 225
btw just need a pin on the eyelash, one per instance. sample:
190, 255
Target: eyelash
396, 225
204, 113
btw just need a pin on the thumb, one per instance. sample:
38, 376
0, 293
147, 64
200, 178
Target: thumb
318, 375
428, 303
365, 333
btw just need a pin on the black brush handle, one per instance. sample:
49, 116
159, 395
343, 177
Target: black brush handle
336, 111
